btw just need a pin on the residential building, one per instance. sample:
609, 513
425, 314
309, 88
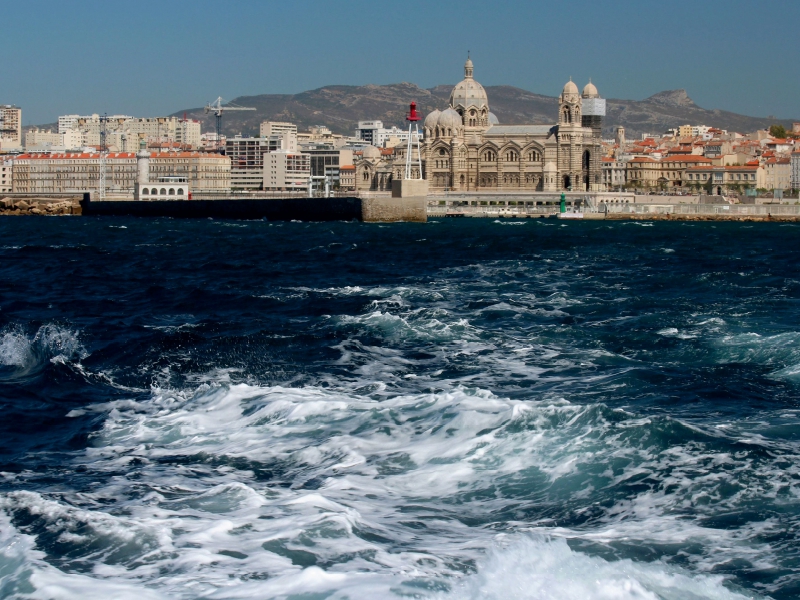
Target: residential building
778, 174
6, 175
674, 167
10, 127
40, 137
124, 132
80, 172
614, 176
347, 177
279, 128
795, 163
718, 180
367, 131
326, 159
643, 172
286, 171
375, 134
247, 157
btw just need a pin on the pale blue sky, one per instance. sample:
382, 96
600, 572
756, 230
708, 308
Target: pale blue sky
149, 58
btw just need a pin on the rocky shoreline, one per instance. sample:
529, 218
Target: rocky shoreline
39, 206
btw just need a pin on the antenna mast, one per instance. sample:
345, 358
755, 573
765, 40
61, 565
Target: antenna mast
103, 121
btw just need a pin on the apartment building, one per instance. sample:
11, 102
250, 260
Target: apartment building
795, 164
278, 128
347, 177
375, 134
124, 132
80, 172
6, 175
247, 157
721, 179
40, 137
10, 127
674, 167
778, 174
286, 171
643, 172
326, 159
614, 175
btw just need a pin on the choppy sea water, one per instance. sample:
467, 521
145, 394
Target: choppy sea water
462, 409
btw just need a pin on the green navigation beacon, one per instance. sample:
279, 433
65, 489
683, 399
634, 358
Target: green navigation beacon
563, 203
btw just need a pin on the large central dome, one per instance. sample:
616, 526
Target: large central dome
469, 92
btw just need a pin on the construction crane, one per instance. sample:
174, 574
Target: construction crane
217, 108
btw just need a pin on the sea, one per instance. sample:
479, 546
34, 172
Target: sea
462, 409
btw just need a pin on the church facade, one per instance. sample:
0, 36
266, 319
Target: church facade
467, 149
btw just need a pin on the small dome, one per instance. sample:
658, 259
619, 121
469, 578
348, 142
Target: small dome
550, 167
449, 119
468, 64
590, 91
371, 152
430, 120
570, 88
493, 120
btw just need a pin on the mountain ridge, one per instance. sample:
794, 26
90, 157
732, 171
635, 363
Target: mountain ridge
340, 107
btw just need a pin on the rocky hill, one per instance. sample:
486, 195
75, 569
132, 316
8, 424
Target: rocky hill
339, 107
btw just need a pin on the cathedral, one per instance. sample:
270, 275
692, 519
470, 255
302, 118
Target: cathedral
467, 149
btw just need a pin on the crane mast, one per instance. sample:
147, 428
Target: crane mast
217, 108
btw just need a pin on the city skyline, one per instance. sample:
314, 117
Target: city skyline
162, 58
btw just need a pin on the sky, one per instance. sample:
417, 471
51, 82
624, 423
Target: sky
152, 58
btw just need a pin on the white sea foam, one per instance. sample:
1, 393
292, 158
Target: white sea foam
238, 491
50, 342
541, 569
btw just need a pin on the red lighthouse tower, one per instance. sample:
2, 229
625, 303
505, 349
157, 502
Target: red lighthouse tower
413, 162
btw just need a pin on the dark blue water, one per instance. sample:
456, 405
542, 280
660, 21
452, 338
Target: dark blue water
461, 409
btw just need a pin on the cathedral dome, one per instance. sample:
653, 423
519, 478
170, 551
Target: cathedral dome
371, 152
570, 88
449, 119
590, 91
430, 120
493, 120
469, 92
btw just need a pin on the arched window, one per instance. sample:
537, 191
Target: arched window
145, 191
586, 159
171, 191
462, 180
448, 132
180, 191
366, 176
163, 191
154, 191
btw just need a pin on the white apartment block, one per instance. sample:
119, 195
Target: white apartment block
270, 128
10, 127
375, 134
796, 170
286, 171
247, 157
40, 137
126, 131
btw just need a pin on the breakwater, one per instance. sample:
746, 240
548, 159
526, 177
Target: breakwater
282, 209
